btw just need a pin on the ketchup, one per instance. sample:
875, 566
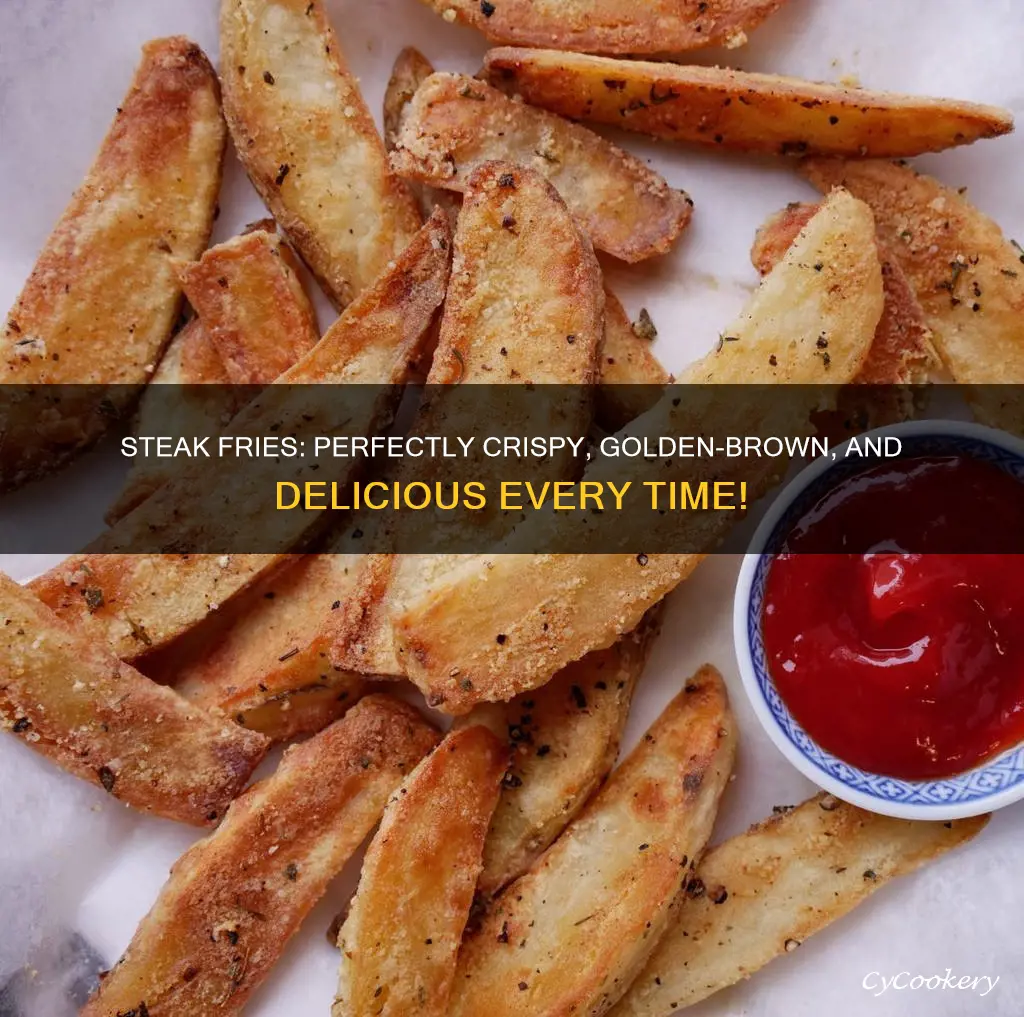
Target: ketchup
898, 659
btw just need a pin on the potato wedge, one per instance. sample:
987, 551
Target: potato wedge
967, 275
554, 608
402, 935
252, 306
455, 123
265, 663
613, 26
189, 360
763, 893
68, 698
102, 299
902, 353
544, 267
411, 69
570, 935
629, 369
745, 112
234, 899
145, 600
309, 144
565, 740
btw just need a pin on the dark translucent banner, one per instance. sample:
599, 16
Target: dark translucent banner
519, 469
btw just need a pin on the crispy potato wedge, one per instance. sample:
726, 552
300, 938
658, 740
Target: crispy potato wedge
252, 306
613, 26
234, 899
69, 699
189, 360
102, 299
309, 144
735, 110
627, 364
565, 740
142, 601
761, 894
545, 271
455, 123
902, 353
402, 935
265, 663
570, 935
967, 275
411, 69
554, 608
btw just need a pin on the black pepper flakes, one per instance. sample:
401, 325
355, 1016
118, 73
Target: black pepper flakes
268, 77
487, 9
642, 560
643, 327
282, 172
292, 872
507, 180
107, 778
21, 724
578, 697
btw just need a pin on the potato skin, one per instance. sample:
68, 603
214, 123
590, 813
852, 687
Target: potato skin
745, 112
101, 302
455, 123
235, 899
309, 144
402, 935
613, 26
775, 885
69, 699
569, 936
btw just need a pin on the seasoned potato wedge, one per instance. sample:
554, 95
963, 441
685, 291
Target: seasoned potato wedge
762, 894
252, 306
902, 353
570, 935
309, 144
454, 123
235, 899
68, 698
189, 360
736, 110
627, 364
565, 740
544, 269
265, 663
402, 935
967, 275
554, 608
613, 26
102, 300
145, 600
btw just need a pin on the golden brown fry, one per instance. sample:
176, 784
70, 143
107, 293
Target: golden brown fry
68, 698
967, 275
145, 600
102, 300
265, 663
309, 144
902, 353
235, 899
746, 112
629, 369
252, 306
613, 26
455, 123
517, 292
763, 893
189, 360
404, 929
570, 936
565, 740
554, 608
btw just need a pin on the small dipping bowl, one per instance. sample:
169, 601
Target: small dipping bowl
997, 782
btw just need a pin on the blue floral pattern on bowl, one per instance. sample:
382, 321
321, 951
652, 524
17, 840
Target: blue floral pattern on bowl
973, 787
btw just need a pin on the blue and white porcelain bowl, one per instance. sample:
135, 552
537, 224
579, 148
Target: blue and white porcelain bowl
990, 786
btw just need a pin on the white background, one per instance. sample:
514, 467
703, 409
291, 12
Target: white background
72, 858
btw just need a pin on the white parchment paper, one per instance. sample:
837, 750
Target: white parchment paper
74, 862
